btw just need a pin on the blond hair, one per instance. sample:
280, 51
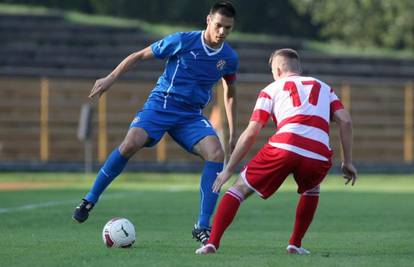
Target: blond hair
291, 60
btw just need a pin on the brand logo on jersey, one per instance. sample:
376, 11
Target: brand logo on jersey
159, 44
220, 64
194, 54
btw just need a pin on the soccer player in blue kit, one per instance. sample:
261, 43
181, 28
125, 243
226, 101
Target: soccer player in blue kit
196, 61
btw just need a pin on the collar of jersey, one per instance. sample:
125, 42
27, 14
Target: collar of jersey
208, 48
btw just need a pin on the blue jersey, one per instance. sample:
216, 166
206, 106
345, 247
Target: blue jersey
191, 71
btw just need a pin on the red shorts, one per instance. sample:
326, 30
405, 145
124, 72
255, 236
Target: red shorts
268, 169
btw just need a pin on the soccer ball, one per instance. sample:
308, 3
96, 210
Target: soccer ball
119, 233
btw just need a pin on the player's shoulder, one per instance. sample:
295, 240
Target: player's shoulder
186, 40
187, 35
228, 49
300, 78
182, 37
272, 88
278, 84
311, 78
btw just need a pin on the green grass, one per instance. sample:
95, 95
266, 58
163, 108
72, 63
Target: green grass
24, 9
370, 224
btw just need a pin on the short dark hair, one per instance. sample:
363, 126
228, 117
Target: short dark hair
292, 56
225, 8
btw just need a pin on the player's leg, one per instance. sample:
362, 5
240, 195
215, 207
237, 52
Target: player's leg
144, 131
115, 163
226, 211
263, 174
135, 139
309, 174
305, 211
197, 136
209, 148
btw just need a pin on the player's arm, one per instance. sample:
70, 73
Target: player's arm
103, 84
243, 146
344, 121
230, 106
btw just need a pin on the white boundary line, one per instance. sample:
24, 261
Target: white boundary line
59, 203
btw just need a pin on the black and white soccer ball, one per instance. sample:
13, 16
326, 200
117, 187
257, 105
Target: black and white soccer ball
119, 233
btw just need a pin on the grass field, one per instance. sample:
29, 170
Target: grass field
371, 224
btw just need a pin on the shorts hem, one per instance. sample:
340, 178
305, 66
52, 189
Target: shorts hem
244, 177
191, 150
152, 140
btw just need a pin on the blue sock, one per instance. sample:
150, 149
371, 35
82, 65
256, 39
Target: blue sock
208, 198
113, 166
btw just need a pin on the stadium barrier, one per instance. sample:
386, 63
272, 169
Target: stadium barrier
39, 120
48, 66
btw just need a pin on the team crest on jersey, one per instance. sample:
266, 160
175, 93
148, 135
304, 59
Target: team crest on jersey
220, 64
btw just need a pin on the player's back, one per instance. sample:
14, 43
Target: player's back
301, 108
297, 98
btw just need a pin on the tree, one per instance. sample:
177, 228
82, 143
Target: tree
384, 23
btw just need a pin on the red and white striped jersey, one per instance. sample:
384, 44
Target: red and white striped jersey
301, 108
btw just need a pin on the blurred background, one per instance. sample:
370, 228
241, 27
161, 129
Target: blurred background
51, 53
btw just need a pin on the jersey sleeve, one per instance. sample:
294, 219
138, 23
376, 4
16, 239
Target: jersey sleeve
230, 75
168, 46
335, 103
263, 108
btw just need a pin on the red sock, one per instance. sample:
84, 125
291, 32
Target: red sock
225, 214
304, 214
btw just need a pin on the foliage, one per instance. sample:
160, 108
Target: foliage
264, 16
61, 4
383, 23
278, 19
364, 23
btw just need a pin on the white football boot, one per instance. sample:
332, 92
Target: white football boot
206, 249
292, 249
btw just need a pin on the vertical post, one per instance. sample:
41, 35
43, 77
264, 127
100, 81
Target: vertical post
102, 134
408, 124
346, 101
84, 134
346, 96
162, 150
44, 119
88, 156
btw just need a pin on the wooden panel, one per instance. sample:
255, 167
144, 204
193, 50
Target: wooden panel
19, 118
377, 111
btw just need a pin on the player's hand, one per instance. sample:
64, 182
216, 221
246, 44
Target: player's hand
350, 173
100, 86
221, 179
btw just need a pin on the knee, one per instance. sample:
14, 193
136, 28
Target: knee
312, 192
241, 187
216, 155
128, 148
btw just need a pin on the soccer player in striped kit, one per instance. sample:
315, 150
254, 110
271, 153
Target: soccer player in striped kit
301, 108
195, 62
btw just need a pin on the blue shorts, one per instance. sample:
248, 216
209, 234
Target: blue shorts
187, 129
